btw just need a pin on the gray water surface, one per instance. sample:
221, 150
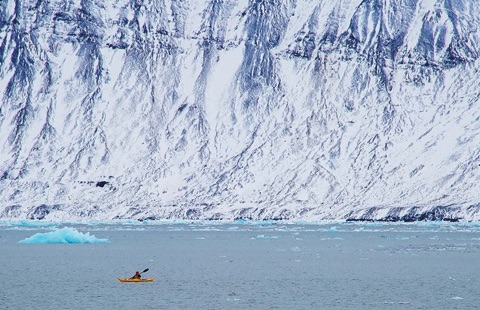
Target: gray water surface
246, 266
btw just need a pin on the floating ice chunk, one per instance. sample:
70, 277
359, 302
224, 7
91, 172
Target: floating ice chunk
331, 229
265, 237
398, 302
64, 235
457, 298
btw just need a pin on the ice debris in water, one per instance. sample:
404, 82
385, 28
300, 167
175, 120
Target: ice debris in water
331, 229
63, 235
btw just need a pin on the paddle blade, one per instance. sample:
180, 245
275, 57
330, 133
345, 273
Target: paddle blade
145, 270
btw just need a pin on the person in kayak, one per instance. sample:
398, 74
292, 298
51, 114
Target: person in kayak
137, 275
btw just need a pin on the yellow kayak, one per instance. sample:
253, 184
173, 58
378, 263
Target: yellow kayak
135, 280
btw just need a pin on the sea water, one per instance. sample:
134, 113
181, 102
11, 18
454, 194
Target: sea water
245, 266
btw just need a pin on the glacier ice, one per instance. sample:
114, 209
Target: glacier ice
63, 235
247, 109
26, 224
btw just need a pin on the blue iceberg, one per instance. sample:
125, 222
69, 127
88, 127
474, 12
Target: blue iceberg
63, 235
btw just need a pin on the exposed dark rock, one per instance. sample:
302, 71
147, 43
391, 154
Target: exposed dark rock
439, 213
40, 212
102, 183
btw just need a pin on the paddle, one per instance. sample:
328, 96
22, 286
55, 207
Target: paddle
139, 274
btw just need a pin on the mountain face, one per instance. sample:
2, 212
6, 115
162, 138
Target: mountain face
228, 109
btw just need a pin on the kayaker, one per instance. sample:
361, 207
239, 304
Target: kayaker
137, 275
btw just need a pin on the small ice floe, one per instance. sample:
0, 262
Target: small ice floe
265, 237
63, 235
457, 298
233, 297
331, 229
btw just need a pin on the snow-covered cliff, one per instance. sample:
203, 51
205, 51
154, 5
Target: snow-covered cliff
221, 109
